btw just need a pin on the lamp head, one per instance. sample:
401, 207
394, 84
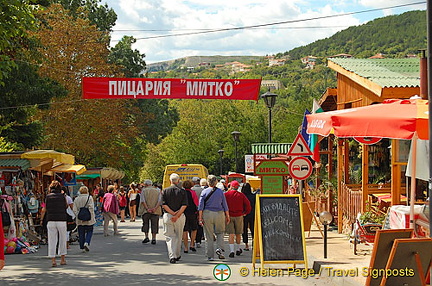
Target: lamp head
269, 99
236, 135
325, 217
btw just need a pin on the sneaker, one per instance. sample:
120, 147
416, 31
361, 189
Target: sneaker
86, 246
173, 260
146, 240
153, 241
210, 259
238, 252
231, 255
219, 253
198, 245
178, 258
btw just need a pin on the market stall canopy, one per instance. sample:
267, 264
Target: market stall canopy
112, 174
85, 176
394, 118
270, 148
45, 154
105, 173
69, 168
14, 164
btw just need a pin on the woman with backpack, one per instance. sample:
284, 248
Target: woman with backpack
85, 227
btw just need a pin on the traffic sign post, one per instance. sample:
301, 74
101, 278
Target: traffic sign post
299, 147
300, 168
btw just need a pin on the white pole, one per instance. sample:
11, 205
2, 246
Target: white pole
413, 178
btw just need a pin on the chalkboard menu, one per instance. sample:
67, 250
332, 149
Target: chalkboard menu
280, 228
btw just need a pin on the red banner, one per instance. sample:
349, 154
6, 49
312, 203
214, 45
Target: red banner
106, 87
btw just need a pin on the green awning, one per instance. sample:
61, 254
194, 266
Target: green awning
270, 148
24, 164
87, 176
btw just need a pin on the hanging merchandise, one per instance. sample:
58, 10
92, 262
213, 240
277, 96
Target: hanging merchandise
5, 206
2, 180
33, 204
6, 220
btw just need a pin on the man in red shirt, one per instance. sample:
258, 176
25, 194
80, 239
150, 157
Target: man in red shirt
238, 206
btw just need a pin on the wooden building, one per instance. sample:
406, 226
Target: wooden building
362, 82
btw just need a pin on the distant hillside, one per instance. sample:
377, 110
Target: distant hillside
194, 61
393, 36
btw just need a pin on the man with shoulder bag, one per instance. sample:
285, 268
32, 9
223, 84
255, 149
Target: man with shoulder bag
213, 215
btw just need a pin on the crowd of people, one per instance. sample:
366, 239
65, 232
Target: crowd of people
191, 210
216, 210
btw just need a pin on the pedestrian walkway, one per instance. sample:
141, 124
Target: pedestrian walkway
342, 267
125, 260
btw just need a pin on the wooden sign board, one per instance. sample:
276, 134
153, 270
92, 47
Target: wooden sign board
308, 215
279, 231
382, 246
409, 262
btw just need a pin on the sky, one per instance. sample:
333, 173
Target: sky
278, 25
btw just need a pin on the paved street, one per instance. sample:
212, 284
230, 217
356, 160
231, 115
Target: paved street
125, 260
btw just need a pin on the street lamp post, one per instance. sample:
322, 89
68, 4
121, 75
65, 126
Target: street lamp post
236, 137
325, 218
220, 157
270, 100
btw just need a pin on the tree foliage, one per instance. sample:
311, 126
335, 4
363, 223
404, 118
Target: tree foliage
394, 36
16, 18
155, 118
100, 15
131, 61
100, 132
205, 127
23, 94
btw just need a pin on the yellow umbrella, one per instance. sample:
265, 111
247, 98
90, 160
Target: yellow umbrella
44, 154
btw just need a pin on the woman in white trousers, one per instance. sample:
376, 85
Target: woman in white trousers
55, 211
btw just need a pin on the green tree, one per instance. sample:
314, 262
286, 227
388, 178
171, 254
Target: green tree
23, 93
131, 61
16, 18
100, 15
205, 127
153, 118
97, 132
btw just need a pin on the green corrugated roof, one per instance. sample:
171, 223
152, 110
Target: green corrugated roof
384, 72
270, 148
24, 164
87, 176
